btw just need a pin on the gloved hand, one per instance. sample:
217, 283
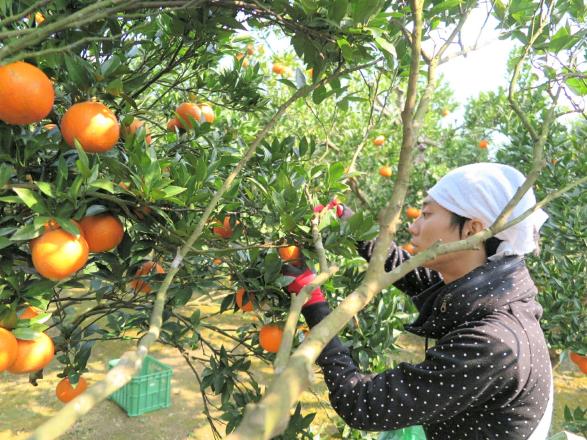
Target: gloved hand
301, 280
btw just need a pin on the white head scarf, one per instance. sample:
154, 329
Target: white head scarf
482, 190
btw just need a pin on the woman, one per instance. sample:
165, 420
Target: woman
489, 374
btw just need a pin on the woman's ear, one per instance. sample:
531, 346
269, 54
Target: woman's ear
475, 225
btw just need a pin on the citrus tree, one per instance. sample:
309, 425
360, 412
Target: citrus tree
154, 153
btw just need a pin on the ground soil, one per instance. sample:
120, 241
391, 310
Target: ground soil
24, 407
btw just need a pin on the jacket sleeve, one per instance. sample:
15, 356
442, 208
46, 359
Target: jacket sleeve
414, 282
464, 371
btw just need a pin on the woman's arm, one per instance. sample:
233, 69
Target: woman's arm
457, 374
414, 282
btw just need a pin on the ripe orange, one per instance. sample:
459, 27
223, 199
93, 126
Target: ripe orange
483, 143
185, 111
57, 254
66, 392
250, 49
248, 306
278, 68
239, 56
208, 113
92, 124
26, 94
311, 72
385, 171
224, 231
173, 125
28, 313
445, 112
270, 338
147, 268
33, 355
409, 247
379, 140
103, 232
413, 212
289, 253
134, 126
217, 261
580, 360
39, 18
8, 349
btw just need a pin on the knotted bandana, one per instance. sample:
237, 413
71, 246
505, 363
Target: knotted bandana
482, 190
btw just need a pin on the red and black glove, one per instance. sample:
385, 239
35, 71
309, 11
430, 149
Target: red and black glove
301, 280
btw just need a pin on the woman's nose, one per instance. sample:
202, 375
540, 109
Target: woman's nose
412, 228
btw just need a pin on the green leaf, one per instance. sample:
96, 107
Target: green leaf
171, 191
104, 184
47, 189
6, 173
31, 199
362, 10
338, 10
577, 85
82, 163
445, 6
115, 87
5, 242
26, 333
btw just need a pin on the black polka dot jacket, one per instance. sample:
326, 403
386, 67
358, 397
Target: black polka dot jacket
487, 377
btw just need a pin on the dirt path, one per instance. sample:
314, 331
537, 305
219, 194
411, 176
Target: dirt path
23, 407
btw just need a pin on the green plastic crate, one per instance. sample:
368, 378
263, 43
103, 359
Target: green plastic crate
149, 390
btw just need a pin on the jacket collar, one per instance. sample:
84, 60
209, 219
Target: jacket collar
483, 290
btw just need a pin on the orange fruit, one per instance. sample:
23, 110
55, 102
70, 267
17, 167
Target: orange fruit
413, 212
483, 143
185, 111
578, 359
57, 254
445, 112
217, 261
39, 18
224, 231
239, 56
379, 140
28, 313
173, 125
147, 268
103, 232
385, 171
134, 126
8, 349
92, 124
289, 253
208, 113
250, 49
270, 338
278, 68
311, 72
26, 94
240, 293
33, 355
409, 247
66, 392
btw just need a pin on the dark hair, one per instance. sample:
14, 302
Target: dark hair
491, 244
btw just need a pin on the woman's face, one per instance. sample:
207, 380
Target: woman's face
434, 224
